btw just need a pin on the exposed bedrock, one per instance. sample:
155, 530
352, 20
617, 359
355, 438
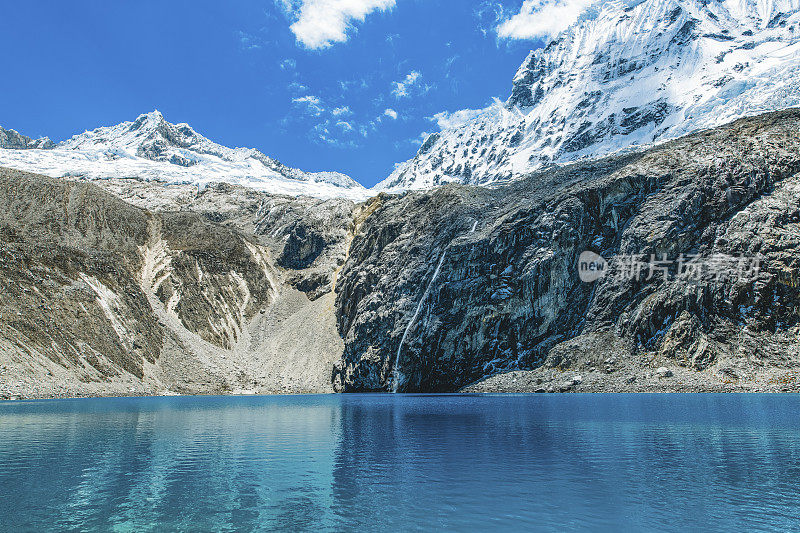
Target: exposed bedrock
508, 292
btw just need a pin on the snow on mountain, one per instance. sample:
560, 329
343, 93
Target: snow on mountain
150, 148
625, 75
14, 140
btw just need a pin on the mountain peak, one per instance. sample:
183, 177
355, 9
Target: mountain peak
626, 75
153, 119
150, 148
11, 139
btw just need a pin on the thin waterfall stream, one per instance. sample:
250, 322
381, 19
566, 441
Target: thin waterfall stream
396, 367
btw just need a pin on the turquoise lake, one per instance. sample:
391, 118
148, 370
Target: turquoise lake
402, 462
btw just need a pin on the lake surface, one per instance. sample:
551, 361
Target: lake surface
402, 462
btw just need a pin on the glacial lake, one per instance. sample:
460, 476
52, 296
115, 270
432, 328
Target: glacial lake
402, 462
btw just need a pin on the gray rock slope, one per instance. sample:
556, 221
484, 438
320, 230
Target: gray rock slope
100, 296
446, 287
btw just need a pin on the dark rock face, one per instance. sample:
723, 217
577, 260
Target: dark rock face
508, 293
309, 238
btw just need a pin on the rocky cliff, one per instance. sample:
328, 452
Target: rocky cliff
447, 287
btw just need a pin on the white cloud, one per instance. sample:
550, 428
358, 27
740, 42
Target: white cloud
320, 23
312, 103
307, 99
344, 125
288, 64
391, 113
341, 111
421, 138
543, 18
402, 87
447, 120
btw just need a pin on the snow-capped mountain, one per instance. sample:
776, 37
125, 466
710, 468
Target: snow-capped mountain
625, 75
15, 140
150, 148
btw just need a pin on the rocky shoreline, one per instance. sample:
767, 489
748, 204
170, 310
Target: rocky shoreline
638, 380
629, 380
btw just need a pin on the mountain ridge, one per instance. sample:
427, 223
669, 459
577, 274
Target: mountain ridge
12, 139
627, 75
623, 77
119, 287
152, 149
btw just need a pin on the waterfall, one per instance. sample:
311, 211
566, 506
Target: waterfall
396, 368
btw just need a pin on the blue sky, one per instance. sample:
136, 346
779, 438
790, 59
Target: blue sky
344, 85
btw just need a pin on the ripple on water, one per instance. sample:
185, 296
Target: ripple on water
594, 462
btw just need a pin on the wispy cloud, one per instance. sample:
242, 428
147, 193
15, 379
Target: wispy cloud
248, 41
400, 89
489, 14
543, 18
325, 133
448, 65
327, 124
357, 84
320, 23
446, 120
288, 64
344, 125
311, 103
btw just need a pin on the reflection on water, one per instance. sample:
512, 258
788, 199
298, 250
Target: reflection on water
669, 462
